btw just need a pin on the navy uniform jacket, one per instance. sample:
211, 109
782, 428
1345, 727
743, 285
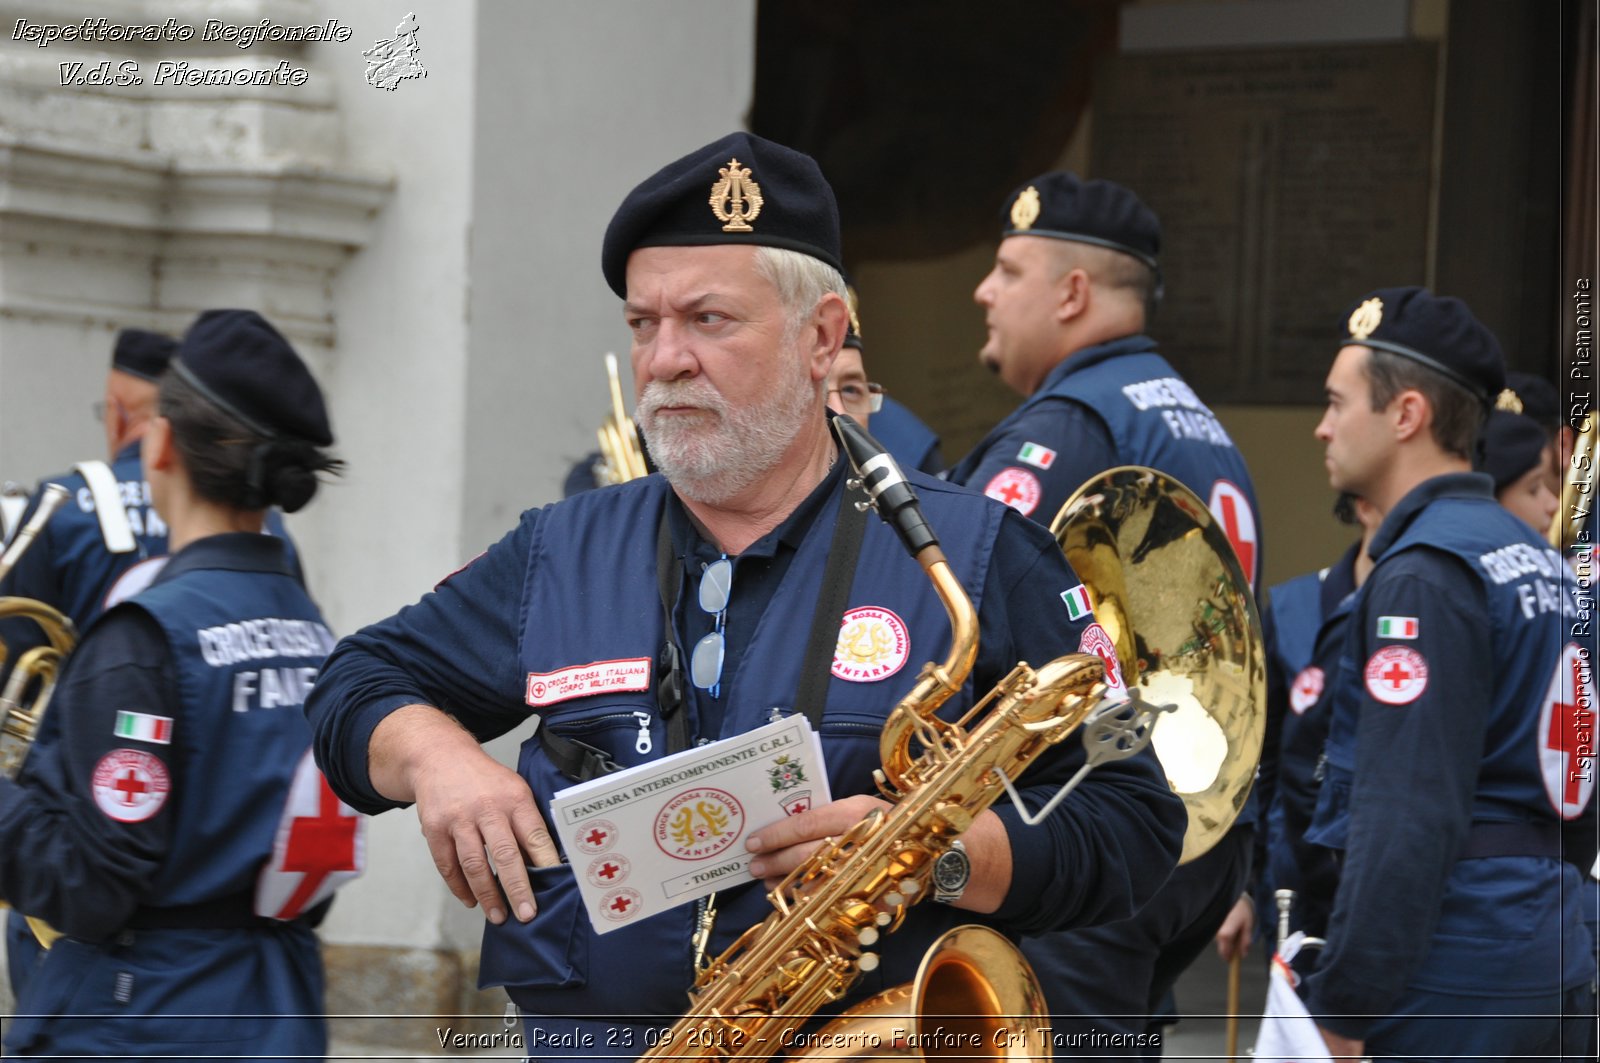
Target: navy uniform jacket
1116, 403
575, 585
1304, 629
162, 831
1454, 758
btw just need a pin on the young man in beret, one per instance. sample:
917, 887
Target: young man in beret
1463, 708
736, 308
1073, 281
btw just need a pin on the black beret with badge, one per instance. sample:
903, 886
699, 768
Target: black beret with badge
1512, 443
142, 354
1434, 331
243, 365
1063, 206
742, 189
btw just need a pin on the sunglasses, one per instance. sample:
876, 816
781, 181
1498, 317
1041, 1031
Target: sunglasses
705, 663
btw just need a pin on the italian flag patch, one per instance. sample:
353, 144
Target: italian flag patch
1397, 627
144, 728
1077, 600
1037, 456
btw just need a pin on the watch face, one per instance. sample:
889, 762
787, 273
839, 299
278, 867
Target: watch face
950, 872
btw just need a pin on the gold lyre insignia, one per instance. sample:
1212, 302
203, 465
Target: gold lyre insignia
1025, 211
1508, 400
1366, 319
735, 199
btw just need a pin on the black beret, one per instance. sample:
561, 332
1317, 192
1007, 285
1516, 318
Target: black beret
244, 365
783, 201
1512, 444
1061, 205
143, 354
1533, 395
1436, 331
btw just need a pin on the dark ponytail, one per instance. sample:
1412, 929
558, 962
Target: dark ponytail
233, 465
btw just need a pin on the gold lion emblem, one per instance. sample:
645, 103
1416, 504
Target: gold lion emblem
1366, 319
735, 198
865, 642
1025, 211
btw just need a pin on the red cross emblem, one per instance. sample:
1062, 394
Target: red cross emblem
1396, 675
595, 836
1307, 689
318, 846
608, 870
130, 785
1017, 488
1232, 510
621, 905
1566, 735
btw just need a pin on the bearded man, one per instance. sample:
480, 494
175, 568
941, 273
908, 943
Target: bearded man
707, 575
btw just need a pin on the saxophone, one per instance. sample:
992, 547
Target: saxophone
832, 909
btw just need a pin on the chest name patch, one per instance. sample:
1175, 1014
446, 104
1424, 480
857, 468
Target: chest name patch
584, 680
873, 644
1397, 675
1306, 690
130, 785
1017, 488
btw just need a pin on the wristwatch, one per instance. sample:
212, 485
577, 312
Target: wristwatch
951, 872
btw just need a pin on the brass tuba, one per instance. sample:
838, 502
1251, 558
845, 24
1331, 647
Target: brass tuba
621, 454
33, 674
831, 910
1169, 591
1577, 486
32, 680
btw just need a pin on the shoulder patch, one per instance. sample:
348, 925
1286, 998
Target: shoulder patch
1037, 455
1396, 675
130, 785
1306, 690
1017, 488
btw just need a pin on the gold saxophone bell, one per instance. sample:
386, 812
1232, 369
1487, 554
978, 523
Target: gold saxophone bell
1168, 589
1577, 484
32, 680
830, 911
621, 454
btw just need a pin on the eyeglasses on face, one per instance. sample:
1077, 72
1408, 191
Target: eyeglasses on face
859, 397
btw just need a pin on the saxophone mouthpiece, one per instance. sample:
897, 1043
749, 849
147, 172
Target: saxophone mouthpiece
885, 485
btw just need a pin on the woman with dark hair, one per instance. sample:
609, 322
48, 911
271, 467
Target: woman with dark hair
177, 834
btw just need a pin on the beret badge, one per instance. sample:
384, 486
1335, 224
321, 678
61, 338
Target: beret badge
1509, 401
735, 198
1366, 319
1025, 211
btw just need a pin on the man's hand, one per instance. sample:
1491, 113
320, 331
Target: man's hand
782, 846
1233, 936
477, 815
786, 844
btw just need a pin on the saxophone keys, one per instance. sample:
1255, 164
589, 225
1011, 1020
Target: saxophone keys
868, 961
867, 936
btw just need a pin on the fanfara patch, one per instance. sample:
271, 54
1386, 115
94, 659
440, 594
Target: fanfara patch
1307, 689
582, 680
131, 785
873, 644
595, 836
1397, 675
606, 871
735, 198
1097, 640
1017, 488
699, 823
1566, 735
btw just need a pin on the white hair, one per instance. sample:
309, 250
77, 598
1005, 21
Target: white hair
801, 281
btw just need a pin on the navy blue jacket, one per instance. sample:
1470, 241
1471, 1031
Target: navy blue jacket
575, 584
1116, 403
151, 809
1454, 757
